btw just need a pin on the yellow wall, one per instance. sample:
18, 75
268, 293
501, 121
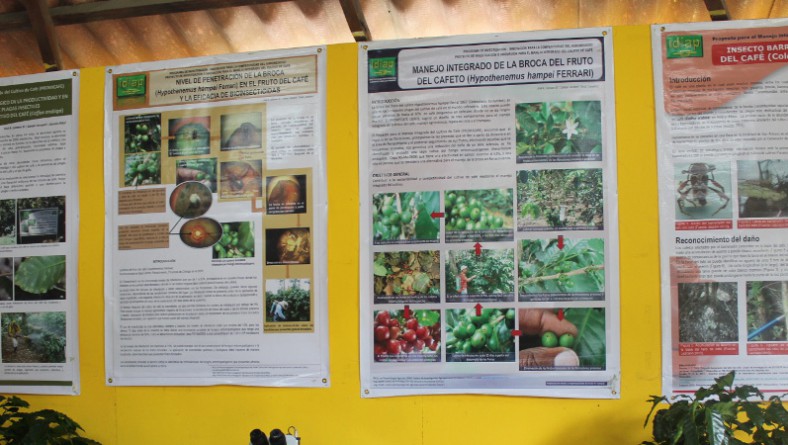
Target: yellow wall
338, 415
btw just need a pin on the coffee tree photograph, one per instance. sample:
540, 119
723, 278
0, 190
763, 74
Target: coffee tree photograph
560, 199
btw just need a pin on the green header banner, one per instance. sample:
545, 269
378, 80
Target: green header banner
684, 46
30, 101
131, 86
383, 67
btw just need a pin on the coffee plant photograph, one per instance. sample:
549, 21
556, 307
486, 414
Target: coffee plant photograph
560, 199
486, 332
559, 129
6, 279
766, 302
142, 133
486, 209
142, 169
547, 266
294, 292
540, 350
398, 275
406, 216
487, 271
237, 240
7, 222
412, 336
34, 337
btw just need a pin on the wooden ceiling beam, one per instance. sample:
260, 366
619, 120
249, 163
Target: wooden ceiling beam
355, 20
44, 30
718, 10
121, 9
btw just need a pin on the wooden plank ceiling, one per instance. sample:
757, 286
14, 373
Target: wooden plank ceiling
39, 35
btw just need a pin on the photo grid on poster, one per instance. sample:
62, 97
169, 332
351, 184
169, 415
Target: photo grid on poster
723, 166
39, 215
216, 239
489, 221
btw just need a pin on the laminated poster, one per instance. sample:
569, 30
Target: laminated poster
39, 218
216, 210
489, 233
723, 184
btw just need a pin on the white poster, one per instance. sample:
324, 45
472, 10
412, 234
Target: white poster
216, 209
489, 236
723, 184
39, 218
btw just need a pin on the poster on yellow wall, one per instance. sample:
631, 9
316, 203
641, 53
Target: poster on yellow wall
489, 231
39, 218
216, 209
723, 173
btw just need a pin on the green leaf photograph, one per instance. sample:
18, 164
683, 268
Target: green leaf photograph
559, 129
40, 278
560, 199
401, 276
406, 216
720, 414
549, 267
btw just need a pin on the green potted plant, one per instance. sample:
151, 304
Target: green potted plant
711, 416
18, 426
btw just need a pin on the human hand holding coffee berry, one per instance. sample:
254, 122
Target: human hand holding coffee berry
557, 337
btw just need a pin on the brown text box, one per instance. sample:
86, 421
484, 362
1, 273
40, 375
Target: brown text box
144, 236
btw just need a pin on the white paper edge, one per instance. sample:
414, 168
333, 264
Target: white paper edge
321, 206
663, 161
610, 165
72, 234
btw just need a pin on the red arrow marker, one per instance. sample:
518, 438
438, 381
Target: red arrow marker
478, 309
437, 214
478, 249
516, 332
561, 242
560, 314
407, 311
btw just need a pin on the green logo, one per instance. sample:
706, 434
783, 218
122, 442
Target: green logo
128, 86
383, 67
684, 46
